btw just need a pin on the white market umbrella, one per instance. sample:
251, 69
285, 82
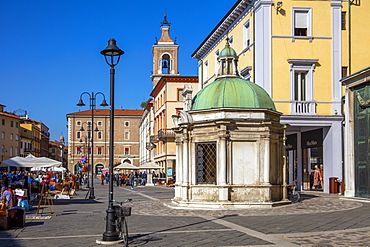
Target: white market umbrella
150, 165
31, 161
126, 166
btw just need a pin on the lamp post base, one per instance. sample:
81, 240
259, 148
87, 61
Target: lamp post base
110, 234
109, 242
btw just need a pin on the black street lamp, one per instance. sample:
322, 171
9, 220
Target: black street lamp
88, 148
112, 55
92, 98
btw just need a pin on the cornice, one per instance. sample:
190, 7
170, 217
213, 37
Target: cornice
223, 26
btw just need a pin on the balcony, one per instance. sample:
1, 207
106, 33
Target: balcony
303, 108
166, 134
154, 139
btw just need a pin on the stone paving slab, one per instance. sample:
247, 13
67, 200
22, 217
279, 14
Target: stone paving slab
319, 220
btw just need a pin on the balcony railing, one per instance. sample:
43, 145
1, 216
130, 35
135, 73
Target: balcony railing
154, 139
303, 108
163, 134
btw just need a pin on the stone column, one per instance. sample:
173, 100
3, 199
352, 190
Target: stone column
185, 166
179, 165
222, 165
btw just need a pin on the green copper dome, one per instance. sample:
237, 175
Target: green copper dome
228, 51
229, 90
234, 93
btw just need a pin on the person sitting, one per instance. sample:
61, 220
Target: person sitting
8, 195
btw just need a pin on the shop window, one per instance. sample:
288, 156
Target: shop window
206, 163
302, 22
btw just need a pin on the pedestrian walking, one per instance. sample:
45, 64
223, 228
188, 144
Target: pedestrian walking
102, 177
131, 179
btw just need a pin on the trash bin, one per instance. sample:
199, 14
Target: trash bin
340, 186
17, 217
333, 185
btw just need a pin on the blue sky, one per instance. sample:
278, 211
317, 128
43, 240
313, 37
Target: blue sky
50, 50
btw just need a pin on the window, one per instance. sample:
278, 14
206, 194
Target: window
217, 54
89, 151
16, 124
11, 151
2, 135
206, 162
78, 134
344, 20
100, 123
11, 123
344, 72
3, 121
99, 135
127, 135
206, 70
231, 41
99, 150
78, 123
11, 136
300, 85
301, 22
127, 150
127, 123
16, 137
247, 34
78, 150
2, 150
179, 94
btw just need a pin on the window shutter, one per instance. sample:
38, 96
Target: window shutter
301, 19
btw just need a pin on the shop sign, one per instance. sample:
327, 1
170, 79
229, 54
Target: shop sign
291, 142
311, 139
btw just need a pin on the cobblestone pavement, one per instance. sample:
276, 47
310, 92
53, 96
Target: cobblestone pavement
318, 220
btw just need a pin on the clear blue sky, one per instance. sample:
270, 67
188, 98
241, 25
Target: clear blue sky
50, 50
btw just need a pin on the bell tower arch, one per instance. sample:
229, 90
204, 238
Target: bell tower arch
165, 54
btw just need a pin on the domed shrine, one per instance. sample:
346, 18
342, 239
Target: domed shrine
229, 144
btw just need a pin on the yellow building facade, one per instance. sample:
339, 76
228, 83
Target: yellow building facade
297, 51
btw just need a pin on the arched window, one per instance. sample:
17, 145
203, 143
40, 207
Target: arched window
166, 64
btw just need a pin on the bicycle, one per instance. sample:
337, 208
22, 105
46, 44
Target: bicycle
121, 213
293, 194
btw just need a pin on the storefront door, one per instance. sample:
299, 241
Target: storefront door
362, 138
312, 160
